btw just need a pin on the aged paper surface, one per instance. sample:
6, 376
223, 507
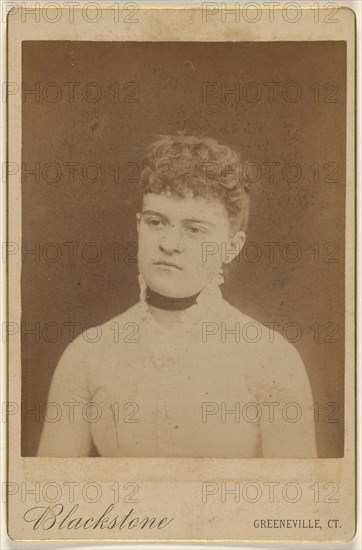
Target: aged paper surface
188, 450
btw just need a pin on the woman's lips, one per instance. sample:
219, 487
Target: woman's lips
167, 265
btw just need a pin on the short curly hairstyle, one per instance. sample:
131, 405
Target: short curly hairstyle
177, 164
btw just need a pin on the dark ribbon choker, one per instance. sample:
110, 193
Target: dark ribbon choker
172, 304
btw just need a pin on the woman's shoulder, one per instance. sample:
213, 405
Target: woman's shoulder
134, 314
253, 331
96, 339
268, 353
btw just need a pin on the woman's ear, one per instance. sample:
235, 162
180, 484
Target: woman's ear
138, 218
236, 244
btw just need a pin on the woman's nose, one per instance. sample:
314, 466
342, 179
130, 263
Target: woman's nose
171, 241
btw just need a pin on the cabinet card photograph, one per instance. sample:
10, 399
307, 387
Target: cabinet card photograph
181, 274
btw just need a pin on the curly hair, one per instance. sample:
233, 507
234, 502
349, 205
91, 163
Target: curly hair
178, 164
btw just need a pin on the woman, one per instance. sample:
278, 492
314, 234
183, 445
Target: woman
183, 373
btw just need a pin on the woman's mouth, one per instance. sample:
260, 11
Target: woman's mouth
167, 265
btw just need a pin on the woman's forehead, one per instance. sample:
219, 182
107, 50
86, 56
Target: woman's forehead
186, 207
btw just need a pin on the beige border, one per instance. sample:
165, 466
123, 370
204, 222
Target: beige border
172, 487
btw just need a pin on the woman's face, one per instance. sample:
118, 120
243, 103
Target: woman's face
182, 243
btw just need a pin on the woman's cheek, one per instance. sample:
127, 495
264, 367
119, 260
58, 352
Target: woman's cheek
146, 244
205, 267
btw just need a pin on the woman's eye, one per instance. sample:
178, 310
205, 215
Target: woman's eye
194, 230
154, 222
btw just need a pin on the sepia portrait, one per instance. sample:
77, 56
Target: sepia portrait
185, 189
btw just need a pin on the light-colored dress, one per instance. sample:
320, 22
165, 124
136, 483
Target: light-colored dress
216, 384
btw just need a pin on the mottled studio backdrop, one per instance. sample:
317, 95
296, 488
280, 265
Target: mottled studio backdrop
90, 110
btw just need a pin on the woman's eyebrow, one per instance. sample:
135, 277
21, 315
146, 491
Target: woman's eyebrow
186, 220
154, 213
194, 220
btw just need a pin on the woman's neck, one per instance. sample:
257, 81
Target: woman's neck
166, 310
